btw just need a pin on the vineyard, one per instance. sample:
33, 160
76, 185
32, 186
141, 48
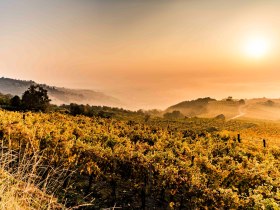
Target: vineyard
149, 163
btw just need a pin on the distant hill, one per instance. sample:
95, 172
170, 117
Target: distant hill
59, 95
259, 108
192, 108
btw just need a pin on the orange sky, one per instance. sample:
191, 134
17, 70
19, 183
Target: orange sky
149, 54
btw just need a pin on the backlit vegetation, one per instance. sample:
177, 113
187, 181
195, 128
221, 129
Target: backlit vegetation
150, 163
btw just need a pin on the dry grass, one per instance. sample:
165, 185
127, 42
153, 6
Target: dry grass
21, 178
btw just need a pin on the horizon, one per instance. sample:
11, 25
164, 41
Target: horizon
152, 108
147, 54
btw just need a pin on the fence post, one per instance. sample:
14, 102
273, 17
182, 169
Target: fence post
264, 143
238, 138
192, 160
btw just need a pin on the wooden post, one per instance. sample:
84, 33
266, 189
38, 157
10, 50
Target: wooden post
264, 143
192, 160
238, 138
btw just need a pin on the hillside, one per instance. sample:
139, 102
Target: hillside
59, 95
207, 107
259, 108
158, 164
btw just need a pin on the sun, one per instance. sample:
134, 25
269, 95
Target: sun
256, 47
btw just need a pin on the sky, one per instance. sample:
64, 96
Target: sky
147, 53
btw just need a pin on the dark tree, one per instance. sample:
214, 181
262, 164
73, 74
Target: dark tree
35, 98
242, 101
76, 109
5, 99
15, 102
174, 115
269, 103
229, 98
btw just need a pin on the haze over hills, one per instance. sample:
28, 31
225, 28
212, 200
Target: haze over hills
59, 95
259, 108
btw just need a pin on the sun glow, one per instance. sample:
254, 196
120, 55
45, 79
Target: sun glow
256, 47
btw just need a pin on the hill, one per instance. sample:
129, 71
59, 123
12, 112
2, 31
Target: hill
207, 107
192, 108
59, 95
190, 163
258, 108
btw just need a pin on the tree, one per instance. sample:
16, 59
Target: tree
15, 102
269, 103
76, 109
173, 115
5, 99
229, 98
242, 101
35, 98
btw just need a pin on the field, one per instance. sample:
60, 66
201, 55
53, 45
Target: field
141, 163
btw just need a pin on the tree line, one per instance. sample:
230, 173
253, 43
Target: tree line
35, 98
